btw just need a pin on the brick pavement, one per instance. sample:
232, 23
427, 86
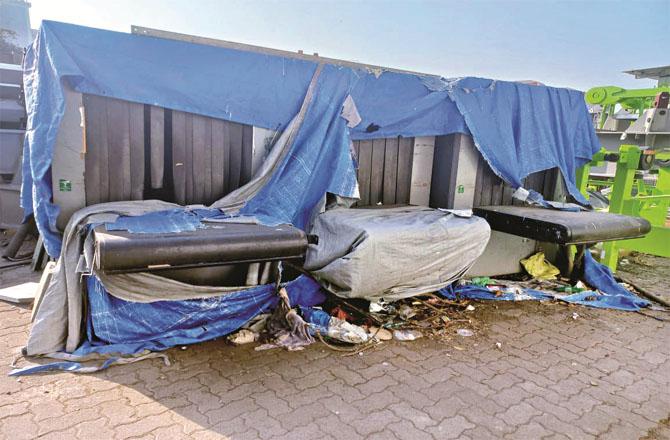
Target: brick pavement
603, 375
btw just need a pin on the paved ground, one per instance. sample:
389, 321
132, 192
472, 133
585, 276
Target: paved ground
604, 374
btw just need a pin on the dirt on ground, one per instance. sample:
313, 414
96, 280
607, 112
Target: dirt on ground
648, 272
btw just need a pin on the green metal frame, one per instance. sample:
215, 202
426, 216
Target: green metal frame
635, 100
649, 202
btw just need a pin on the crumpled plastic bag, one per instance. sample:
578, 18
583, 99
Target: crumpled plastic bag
538, 267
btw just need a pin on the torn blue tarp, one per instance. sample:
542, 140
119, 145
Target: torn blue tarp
521, 129
268, 91
599, 276
171, 220
117, 329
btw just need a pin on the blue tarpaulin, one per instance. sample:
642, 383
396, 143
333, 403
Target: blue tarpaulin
116, 328
268, 91
530, 135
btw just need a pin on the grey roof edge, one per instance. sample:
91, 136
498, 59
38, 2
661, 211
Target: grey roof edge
158, 33
649, 72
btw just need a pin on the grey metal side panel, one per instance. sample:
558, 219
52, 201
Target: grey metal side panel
455, 172
69, 160
11, 213
422, 170
502, 255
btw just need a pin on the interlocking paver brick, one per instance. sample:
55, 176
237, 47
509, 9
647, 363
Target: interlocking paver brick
554, 424
419, 418
519, 414
452, 427
604, 375
531, 430
405, 429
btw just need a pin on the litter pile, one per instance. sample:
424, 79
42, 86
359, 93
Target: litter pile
544, 283
355, 325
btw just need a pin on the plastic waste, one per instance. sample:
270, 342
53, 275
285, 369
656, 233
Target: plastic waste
346, 332
406, 312
481, 281
538, 267
244, 336
406, 335
333, 327
465, 332
316, 317
380, 334
381, 306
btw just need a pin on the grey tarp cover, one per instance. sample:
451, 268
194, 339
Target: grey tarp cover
393, 253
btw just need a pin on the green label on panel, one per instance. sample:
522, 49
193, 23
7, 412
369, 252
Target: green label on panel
65, 185
460, 189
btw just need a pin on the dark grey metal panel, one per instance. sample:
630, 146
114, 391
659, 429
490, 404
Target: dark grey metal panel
384, 170
247, 153
95, 117
445, 169
491, 190
390, 171
356, 149
179, 156
157, 139
364, 170
208, 162
188, 157
405, 159
226, 158
136, 119
118, 137
218, 159
198, 159
377, 171
235, 162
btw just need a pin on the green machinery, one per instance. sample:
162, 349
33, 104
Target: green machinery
641, 183
632, 194
635, 101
